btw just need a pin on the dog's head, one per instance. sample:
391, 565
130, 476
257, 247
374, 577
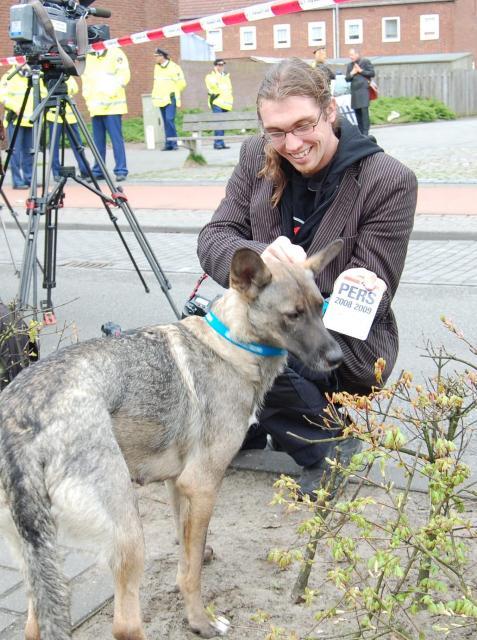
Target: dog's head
285, 305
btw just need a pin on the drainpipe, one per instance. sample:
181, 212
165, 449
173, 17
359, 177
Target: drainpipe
337, 30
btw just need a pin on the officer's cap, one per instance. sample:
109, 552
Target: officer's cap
161, 52
219, 61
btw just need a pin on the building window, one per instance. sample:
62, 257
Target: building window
248, 38
391, 28
430, 26
316, 34
281, 36
214, 38
353, 31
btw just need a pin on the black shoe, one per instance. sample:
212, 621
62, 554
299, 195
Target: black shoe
120, 178
318, 475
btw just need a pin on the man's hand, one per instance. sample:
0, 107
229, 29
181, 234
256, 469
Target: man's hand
356, 69
283, 250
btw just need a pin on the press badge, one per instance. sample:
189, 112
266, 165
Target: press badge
353, 304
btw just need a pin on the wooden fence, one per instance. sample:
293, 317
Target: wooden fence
456, 88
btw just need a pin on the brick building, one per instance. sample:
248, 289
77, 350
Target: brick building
127, 17
377, 27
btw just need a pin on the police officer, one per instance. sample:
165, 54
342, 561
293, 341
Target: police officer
320, 63
169, 82
105, 76
219, 88
74, 136
12, 93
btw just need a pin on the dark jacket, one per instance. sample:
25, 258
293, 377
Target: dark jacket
360, 83
372, 212
326, 69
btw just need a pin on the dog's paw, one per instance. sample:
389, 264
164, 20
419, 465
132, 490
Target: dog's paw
218, 626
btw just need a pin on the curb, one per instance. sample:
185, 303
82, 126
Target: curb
417, 234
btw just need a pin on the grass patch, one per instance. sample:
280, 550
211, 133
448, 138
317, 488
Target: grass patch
409, 110
195, 160
133, 129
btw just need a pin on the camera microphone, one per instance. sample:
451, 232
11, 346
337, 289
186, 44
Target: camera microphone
101, 13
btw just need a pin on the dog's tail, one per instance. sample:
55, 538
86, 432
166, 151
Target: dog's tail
30, 507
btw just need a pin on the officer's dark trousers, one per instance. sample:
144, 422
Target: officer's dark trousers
74, 137
362, 117
21, 160
295, 393
218, 143
169, 119
111, 124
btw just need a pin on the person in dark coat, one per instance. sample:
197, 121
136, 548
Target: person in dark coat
307, 180
359, 72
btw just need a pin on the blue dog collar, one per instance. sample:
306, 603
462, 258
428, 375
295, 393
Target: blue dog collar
253, 347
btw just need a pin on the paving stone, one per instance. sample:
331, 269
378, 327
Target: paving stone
6, 620
76, 562
6, 557
15, 601
89, 594
8, 579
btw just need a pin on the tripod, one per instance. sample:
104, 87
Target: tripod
47, 203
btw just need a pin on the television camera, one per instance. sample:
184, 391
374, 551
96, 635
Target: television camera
54, 34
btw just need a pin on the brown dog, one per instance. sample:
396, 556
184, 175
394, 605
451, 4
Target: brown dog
169, 403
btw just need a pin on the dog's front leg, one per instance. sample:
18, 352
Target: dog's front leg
175, 499
197, 502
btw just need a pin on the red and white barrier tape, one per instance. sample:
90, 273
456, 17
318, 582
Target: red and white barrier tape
216, 21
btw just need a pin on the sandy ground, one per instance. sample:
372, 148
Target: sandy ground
239, 581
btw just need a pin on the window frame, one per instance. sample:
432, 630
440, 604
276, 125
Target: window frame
220, 38
435, 34
397, 38
348, 24
313, 42
243, 45
281, 45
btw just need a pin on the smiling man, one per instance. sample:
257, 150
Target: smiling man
306, 181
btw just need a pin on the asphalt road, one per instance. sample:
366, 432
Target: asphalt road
96, 283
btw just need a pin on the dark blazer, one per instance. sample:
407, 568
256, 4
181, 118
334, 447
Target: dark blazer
360, 83
372, 212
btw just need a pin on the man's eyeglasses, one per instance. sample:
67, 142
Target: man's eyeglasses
278, 137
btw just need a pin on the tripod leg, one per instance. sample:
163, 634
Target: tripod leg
121, 201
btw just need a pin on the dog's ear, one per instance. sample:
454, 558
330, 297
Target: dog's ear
319, 261
248, 273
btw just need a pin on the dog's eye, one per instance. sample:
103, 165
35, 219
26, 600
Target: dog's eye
294, 315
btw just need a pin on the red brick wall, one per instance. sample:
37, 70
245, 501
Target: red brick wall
127, 17
458, 30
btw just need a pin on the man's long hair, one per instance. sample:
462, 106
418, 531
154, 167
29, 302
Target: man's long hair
292, 77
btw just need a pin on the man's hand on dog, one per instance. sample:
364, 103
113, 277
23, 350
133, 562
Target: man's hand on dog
283, 250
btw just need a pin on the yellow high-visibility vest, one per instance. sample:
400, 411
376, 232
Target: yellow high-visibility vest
103, 82
12, 93
73, 89
168, 80
219, 84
